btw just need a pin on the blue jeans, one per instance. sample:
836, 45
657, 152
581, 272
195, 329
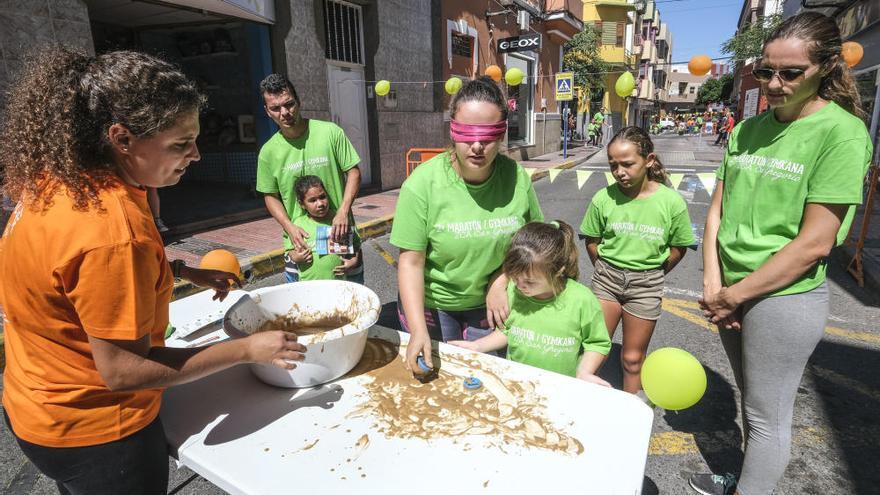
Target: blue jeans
443, 326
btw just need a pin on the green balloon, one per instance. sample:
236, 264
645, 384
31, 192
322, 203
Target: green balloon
383, 87
514, 76
453, 85
625, 85
673, 378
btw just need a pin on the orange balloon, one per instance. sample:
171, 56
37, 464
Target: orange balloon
223, 260
700, 65
494, 72
852, 53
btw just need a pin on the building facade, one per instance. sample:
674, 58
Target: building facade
682, 90
524, 34
653, 48
614, 20
745, 96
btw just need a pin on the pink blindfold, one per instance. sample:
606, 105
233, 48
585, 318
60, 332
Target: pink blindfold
469, 133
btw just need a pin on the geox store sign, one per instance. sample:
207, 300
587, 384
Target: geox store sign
523, 43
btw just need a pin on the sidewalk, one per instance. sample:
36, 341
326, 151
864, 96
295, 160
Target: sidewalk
257, 243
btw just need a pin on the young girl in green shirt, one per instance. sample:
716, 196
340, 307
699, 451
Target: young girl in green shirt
310, 263
636, 231
555, 323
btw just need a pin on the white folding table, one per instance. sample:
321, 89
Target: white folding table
251, 438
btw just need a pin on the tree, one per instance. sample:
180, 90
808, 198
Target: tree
582, 58
715, 90
709, 92
749, 42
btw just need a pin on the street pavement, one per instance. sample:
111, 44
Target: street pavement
836, 433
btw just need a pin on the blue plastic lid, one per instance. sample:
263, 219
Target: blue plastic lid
472, 383
422, 364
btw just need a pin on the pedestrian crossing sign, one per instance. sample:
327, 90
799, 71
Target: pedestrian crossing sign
564, 86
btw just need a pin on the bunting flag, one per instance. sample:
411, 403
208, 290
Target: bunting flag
554, 172
609, 177
708, 180
530, 171
675, 180
582, 176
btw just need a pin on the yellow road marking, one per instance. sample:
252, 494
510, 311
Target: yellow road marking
690, 311
845, 381
383, 253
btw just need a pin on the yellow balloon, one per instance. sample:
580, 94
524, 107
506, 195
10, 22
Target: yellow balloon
383, 87
673, 378
514, 76
453, 85
625, 85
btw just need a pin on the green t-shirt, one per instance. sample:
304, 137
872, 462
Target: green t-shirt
323, 150
553, 334
771, 170
636, 234
321, 267
463, 229
599, 117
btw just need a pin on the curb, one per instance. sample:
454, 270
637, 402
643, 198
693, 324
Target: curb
271, 263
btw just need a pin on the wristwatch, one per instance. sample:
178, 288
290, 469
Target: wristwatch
176, 265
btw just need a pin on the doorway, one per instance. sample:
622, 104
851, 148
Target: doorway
348, 109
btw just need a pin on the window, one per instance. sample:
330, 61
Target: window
342, 32
691, 90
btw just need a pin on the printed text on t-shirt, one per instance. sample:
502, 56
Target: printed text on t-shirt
772, 168
492, 227
311, 164
547, 344
639, 230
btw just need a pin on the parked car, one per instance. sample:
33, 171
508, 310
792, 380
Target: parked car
667, 123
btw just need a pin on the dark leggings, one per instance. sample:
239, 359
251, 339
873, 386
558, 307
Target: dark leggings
136, 464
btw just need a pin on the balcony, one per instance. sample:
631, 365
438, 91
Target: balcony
649, 52
563, 20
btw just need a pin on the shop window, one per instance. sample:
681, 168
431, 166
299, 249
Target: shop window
343, 33
519, 103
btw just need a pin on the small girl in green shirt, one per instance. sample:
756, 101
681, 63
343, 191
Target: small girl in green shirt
321, 258
555, 323
636, 230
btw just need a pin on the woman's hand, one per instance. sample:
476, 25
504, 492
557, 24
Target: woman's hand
720, 307
591, 378
497, 305
419, 344
222, 282
340, 227
276, 347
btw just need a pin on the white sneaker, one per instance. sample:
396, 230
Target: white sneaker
160, 225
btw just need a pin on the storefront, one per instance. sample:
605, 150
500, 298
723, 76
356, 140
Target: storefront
205, 39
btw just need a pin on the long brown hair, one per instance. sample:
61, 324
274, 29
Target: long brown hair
824, 45
542, 248
640, 138
59, 110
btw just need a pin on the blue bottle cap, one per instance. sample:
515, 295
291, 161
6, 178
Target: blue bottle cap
422, 364
472, 383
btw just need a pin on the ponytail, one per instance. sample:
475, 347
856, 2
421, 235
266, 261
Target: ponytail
840, 87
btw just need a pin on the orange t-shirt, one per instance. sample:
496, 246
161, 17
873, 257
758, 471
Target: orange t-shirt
66, 274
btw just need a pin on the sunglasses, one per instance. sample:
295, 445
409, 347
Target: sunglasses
764, 74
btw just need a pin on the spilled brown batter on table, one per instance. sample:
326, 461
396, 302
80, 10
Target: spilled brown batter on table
506, 412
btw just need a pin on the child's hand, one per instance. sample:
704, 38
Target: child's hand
347, 264
465, 344
300, 255
591, 378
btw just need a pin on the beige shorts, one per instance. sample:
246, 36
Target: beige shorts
639, 293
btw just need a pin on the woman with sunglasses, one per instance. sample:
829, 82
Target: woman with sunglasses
455, 217
785, 196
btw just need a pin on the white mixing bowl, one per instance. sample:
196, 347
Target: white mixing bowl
330, 354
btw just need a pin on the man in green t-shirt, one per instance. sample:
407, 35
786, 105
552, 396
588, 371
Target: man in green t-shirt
304, 147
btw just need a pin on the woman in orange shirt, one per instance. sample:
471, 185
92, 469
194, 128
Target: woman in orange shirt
84, 281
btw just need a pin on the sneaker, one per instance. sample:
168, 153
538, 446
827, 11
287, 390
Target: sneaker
713, 484
160, 225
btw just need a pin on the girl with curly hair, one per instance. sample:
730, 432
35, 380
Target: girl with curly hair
84, 281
